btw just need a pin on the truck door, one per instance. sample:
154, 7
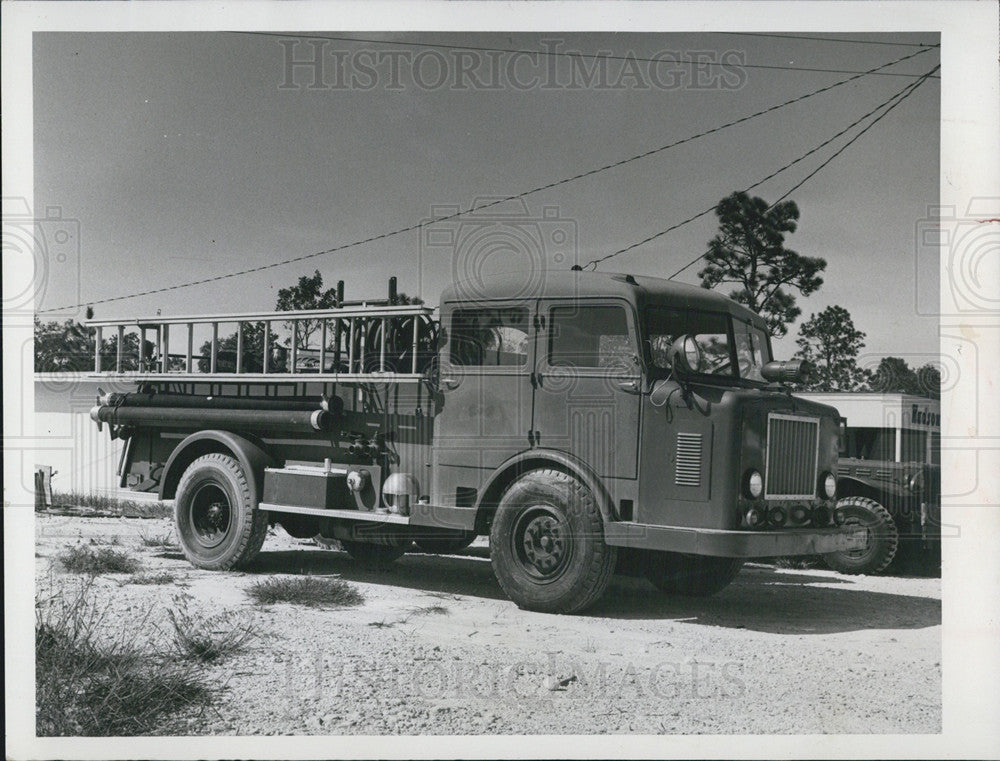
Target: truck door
487, 358
588, 383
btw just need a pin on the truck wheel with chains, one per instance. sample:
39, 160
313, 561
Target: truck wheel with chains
883, 539
690, 575
547, 544
218, 525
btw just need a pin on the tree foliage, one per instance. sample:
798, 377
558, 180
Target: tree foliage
308, 293
253, 352
830, 343
894, 375
68, 346
749, 251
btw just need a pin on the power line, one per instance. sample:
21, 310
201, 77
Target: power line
833, 39
902, 94
899, 98
496, 202
578, 55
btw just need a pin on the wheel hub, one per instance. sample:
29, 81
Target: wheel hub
543, 543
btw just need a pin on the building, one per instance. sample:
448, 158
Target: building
893, 427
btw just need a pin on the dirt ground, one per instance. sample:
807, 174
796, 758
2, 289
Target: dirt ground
436, 648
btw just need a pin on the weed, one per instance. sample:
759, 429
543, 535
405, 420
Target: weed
163, 577
305, 590
92, 679
82, 559
207, 638
429, 610
161, 542
99, 541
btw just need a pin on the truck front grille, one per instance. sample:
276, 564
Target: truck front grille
792, 449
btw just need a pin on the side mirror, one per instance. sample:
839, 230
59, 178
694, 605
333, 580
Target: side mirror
685, 356
790, 371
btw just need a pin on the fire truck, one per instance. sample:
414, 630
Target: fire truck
584, 423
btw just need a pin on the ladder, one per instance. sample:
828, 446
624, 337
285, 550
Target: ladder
358, 341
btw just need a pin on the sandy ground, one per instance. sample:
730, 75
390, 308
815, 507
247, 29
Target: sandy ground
436, 648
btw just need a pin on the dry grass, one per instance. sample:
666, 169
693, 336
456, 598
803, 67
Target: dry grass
429, 610
207, 638
93, 679
127, 508
158, 542
148, 579
85, 560
312, 591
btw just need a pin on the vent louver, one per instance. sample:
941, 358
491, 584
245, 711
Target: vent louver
688, 460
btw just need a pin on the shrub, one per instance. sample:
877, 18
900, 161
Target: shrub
206, 638
83, 559
305, 590
94, 680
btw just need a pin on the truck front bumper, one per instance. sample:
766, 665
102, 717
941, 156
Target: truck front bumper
735, 544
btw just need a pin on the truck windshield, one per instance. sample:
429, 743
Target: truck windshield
721, 338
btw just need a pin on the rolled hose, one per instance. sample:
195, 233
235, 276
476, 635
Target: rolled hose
186, 417
180, 401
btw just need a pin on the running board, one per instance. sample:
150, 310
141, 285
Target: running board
319, 512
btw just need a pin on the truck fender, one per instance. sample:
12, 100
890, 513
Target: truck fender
250, 453
533, 459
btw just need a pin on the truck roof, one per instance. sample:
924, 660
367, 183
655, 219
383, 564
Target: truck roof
638, 289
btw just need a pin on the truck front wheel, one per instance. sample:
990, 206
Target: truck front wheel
883, 539
690, 575
547, 544
218, 525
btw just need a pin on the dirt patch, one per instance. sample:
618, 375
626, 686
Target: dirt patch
435, 647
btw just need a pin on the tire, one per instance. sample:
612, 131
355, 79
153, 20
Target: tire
690, 575
883, 538
218, 525
373, 555
443, 545
547, 544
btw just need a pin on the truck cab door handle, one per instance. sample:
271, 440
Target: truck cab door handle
450, 383
632, 386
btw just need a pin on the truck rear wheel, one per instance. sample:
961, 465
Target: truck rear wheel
218, 525
690, 575
883, 538
547, 544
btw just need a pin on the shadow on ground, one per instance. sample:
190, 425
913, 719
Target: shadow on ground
761, 599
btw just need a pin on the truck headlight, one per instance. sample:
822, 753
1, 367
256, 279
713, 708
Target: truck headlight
829, 486
754, 484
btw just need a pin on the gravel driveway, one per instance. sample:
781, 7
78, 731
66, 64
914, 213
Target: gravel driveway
437, 649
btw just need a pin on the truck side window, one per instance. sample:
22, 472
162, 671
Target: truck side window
490, 337
594, 336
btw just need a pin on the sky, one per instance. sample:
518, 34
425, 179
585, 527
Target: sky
184, 156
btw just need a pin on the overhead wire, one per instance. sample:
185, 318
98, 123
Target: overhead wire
817, 38
489, 204
575, 54
903, 93
898, 98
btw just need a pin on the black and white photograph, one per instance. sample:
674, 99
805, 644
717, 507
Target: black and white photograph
501, 379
